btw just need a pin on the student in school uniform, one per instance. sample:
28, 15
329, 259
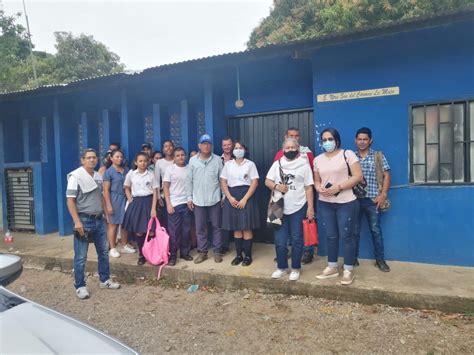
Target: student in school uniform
179, 215
141, 190
239, 180
167, 150
114, 196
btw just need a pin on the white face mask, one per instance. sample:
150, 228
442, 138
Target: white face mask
238, 153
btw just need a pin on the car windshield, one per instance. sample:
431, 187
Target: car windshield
8, 301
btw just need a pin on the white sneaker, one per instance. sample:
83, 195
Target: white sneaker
127, 249
328, 273
114, 253
347, 277
109, 284
82, 293
294, 275
279, 273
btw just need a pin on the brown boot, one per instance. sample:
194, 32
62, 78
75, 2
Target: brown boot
201, 257
217, 257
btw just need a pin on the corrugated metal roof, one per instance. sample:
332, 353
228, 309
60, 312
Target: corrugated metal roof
465, 13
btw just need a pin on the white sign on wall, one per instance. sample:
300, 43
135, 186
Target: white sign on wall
360, 94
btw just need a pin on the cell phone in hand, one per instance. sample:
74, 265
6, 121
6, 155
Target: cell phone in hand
328, 185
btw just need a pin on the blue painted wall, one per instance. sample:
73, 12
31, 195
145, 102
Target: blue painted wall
270, 85
425, 224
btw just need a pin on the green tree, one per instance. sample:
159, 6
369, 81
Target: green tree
14, 50
77, 57
82, 57
302, 19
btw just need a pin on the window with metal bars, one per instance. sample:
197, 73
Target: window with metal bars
442, 143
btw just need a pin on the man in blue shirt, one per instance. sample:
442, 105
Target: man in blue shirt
204, 197
370, 206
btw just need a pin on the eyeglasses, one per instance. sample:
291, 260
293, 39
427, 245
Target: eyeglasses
328, 139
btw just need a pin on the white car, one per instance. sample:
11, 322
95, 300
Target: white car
27, 327
10, 268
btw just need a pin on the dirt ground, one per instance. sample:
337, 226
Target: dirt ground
158, 318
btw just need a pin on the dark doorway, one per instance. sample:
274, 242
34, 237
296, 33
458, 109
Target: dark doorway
263, 134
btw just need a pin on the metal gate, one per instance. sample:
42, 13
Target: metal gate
20, 204
263, 135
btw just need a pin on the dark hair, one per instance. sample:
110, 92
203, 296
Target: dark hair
88, 150
364, 130
335, 134
166, 141
147, 145
227, 138
246, 150
179, 149
112, 153
156, 152
141, 154
293, 129
116, 144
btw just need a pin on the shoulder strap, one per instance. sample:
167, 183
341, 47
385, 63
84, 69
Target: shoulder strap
347, 164
379, 169
281, 172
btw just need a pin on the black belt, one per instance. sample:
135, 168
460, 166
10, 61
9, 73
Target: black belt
93, 216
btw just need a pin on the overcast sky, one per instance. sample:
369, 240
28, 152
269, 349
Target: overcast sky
147, 33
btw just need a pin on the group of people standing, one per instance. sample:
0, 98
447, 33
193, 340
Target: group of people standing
215, 196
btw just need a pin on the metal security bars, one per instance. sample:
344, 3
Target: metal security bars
442, 143
20, 203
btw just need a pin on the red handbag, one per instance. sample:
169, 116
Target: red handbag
310, 232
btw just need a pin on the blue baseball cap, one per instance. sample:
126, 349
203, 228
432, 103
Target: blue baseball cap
205, 138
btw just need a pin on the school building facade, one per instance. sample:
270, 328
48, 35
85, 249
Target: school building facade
411, 82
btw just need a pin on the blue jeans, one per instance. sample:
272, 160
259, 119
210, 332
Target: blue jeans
369, 208
291, 230
97, 228
337, 222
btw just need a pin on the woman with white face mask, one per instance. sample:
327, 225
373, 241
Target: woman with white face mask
291, 176
239, 180
338, 207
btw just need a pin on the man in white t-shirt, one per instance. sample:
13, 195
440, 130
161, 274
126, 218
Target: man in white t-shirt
179, 215
167, 149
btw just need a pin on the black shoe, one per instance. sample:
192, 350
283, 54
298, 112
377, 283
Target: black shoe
141, 260
186, 257
382, 265
237, 260
224, 250
247, 261
307, 258
172, 262
356, 262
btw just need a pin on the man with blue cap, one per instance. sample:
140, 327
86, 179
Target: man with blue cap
204, 197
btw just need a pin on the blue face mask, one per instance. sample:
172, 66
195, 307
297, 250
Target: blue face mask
329, 146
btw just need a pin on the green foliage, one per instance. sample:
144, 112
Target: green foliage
77, 57
82, 56
291, 20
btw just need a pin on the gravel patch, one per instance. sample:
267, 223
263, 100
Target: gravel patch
154, 317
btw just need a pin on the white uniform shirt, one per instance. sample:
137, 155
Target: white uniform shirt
176, 176
239, 175
141, 184
160, 168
